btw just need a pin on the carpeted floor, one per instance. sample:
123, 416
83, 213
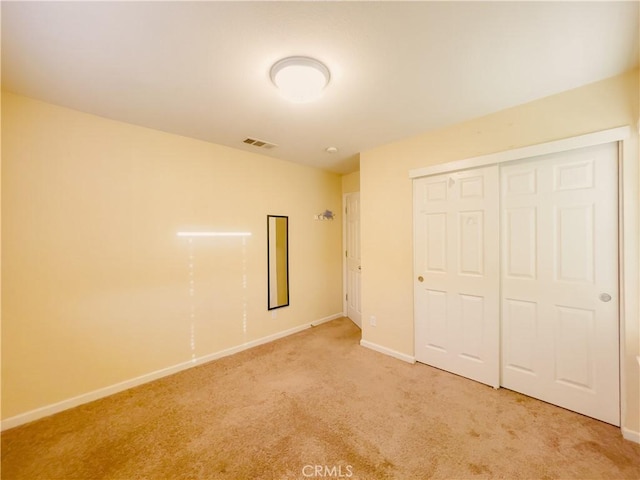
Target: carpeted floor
317, 405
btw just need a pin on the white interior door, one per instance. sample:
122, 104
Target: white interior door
456, 273
560, 280
352, 253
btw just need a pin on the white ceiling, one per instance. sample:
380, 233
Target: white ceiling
201, 69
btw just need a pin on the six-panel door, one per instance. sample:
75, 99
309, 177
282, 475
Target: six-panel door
354, 267
456, 275
560, 280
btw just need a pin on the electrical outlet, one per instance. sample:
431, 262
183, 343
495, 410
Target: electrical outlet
372, 321
274, 314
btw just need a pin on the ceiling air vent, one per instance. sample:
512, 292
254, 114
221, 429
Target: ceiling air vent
259, 143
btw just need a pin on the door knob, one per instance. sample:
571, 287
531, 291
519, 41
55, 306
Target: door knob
420, 278
605, 297
359, 267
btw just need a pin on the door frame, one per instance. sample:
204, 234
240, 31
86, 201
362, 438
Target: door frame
628, 238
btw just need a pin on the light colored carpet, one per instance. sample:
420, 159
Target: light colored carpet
317, 405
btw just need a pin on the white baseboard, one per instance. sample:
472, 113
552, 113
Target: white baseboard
335, 316
48, 410
630, 435
387, 351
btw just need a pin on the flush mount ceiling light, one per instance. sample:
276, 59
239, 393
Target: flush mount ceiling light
300, 79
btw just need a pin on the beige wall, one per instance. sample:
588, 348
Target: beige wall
95, 282
351, 182
386, 196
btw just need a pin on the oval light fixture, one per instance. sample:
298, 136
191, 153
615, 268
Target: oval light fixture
300, 79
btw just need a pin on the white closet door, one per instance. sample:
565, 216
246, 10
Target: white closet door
559, 280
456, 282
